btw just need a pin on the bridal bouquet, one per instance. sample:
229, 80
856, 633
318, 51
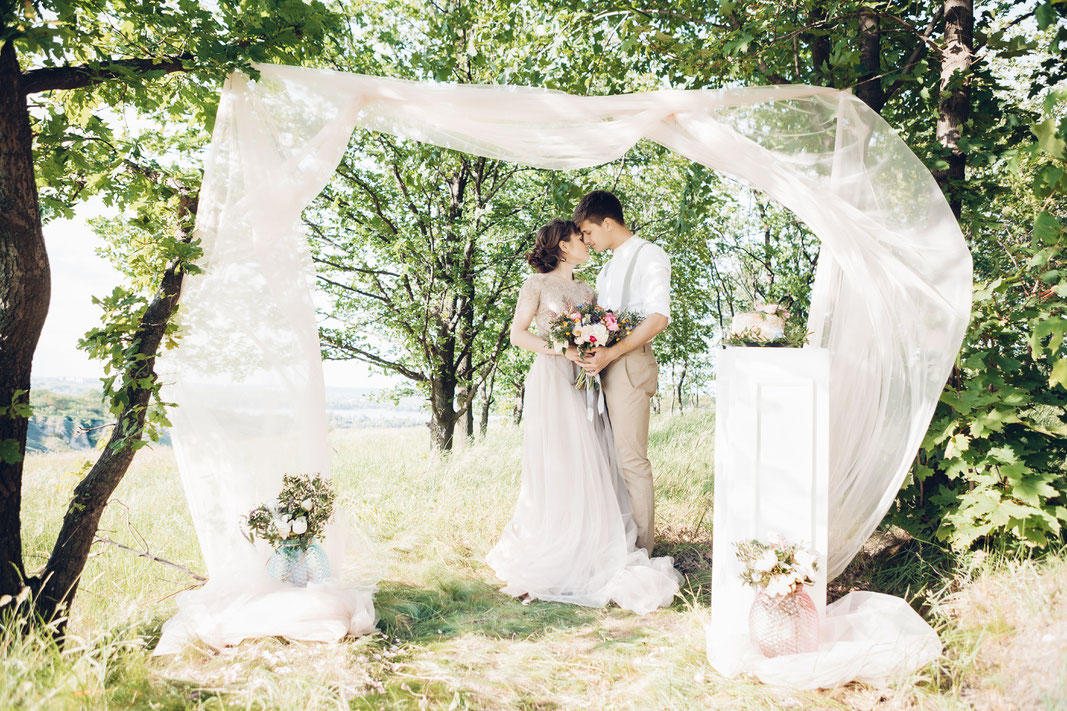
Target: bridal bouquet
588, 326
777, 567
298, 516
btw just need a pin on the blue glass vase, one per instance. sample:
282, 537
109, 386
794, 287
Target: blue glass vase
298, 564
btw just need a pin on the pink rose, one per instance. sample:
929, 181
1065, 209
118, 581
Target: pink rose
610, 322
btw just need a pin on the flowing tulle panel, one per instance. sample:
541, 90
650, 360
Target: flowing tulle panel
891, 297
572, 537
247, 378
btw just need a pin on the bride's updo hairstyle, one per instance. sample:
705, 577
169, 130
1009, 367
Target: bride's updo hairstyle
545, 255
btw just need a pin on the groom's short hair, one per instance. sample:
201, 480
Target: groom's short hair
598, 205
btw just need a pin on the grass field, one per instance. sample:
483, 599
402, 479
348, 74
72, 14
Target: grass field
447, 639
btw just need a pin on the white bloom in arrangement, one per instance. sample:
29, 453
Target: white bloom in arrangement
805, 563
766, 561
300, 526
283, 527
579, 335
307, 504
780, 585
596, 333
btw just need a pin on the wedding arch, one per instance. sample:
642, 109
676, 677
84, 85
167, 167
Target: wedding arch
891, 298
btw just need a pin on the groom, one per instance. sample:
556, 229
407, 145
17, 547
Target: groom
637, 278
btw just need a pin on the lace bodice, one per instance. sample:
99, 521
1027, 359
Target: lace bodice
549, 295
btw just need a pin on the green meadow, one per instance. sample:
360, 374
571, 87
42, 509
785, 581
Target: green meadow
448, 639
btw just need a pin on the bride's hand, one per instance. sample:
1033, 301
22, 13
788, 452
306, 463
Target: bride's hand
573, 355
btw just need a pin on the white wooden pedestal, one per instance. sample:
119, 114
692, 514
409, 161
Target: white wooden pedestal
771, 474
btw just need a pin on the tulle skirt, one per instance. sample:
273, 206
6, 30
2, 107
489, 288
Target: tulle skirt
572, 536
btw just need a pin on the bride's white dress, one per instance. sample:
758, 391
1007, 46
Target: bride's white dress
572, 536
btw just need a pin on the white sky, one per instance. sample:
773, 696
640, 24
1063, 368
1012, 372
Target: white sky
78, 274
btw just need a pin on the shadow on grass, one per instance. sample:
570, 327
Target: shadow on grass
894, 563
692, 558
891, 562
457, 606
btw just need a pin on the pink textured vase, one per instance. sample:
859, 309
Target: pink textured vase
787, 624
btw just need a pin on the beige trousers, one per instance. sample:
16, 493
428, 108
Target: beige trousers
629, 384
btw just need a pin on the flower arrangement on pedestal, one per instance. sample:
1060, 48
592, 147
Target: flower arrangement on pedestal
292, 524
767, 324
783, 618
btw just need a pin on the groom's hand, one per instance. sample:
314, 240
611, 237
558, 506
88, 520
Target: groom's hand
597, 360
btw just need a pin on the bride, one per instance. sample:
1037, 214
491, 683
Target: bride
572, 536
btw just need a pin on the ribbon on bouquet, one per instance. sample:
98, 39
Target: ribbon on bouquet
594, 402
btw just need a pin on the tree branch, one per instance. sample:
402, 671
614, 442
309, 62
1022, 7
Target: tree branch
368, 357
149, 556
81, 76
916, 54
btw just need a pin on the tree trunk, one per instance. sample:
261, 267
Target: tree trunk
59, 582
954, 100
869, 89
516, 407
469, 415
681, 385
487, 403
25, 289
442, 413
820, 46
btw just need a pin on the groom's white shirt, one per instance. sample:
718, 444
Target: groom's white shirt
650, 288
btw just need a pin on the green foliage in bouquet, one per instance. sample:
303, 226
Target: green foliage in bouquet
298, 516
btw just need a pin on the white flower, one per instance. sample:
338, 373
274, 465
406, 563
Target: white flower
283, 527
780, 585
307, 504
596, 333
766, 561
805, 563
300, 526
579, 336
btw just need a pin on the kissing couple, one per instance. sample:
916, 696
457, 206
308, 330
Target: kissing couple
582, 531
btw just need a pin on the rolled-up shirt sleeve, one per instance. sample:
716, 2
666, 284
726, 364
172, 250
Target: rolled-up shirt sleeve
657, 286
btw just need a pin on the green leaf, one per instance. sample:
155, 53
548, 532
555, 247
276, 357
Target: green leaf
1058, 376
1045, 15
1049, 140
9, 451
1034, 490
1047, 228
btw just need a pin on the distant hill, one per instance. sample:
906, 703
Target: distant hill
70, 414
62, 421
355, 408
